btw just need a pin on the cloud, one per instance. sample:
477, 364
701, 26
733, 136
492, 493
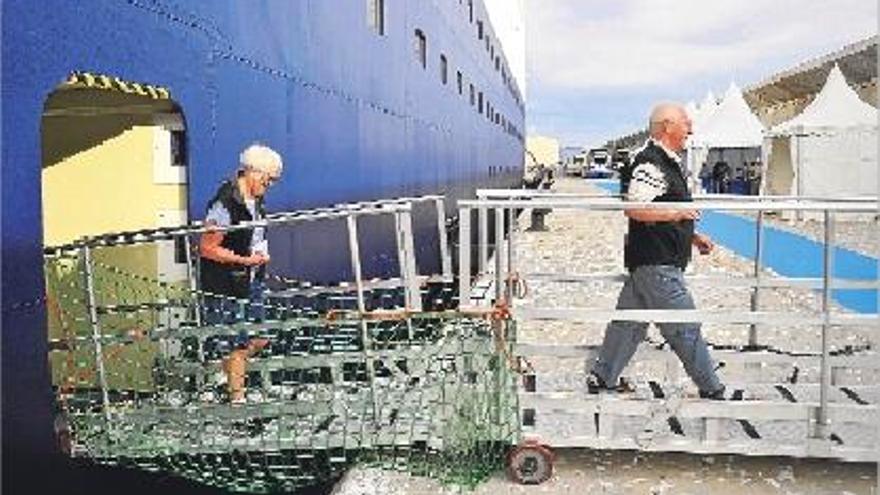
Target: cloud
661, 42
595, 67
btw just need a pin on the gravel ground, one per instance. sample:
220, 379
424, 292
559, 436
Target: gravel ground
589, 472
579, 242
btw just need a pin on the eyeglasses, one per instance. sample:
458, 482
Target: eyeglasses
267, 179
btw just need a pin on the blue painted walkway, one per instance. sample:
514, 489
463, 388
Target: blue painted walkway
790, 255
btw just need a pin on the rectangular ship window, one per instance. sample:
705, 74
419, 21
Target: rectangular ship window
444, 69
460, 82
479, 30
480, 103
421, 48
376, 16
471, 10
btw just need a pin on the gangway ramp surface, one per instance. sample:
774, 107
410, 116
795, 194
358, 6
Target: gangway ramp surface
574, 270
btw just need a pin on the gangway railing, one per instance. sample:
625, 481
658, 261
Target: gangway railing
504, 272
378, 367
350, 213
869, 202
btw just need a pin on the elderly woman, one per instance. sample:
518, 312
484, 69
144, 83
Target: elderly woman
233, 261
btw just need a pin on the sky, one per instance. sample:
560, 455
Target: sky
595, 67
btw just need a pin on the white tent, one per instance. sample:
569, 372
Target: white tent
830, 149
692, 110
704, 111
731, 124
696, 155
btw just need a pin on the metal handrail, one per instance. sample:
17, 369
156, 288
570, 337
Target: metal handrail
513, 199
533, 193
169, 233
615, 204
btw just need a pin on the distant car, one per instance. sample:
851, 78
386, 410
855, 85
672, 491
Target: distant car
576, 165
598, 165
621, 159
598, 171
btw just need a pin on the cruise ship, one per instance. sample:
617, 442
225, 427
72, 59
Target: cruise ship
121, 115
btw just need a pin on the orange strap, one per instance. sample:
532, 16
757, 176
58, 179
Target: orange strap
500, 311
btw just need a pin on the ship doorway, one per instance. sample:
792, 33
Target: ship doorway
114, 159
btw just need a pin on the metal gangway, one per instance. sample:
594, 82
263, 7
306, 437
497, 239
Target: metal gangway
826, 415
384, 371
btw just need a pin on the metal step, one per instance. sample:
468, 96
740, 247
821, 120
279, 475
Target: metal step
575, 384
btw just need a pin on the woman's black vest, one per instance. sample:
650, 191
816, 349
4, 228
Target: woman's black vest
231, 279
660, 243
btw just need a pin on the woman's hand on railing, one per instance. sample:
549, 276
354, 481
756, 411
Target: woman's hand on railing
255, 259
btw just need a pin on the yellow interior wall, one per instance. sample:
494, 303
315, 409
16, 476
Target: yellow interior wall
106, 188
545, 150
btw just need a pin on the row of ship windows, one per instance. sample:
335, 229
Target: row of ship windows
475, 97
376, 20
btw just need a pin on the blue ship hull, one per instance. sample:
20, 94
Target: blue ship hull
354, 115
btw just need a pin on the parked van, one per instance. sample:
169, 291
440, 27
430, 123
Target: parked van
598, 166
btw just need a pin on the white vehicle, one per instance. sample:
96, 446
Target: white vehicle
598, 167
576, 165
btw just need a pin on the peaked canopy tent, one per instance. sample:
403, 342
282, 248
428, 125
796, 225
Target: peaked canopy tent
729, 132
701, 114
830, 149
692, 110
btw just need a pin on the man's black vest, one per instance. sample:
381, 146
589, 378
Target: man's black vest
660, 243
231, 279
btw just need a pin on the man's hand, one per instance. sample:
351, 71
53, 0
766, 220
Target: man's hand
703, 243
687, 215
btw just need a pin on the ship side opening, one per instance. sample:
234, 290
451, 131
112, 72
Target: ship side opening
114, 159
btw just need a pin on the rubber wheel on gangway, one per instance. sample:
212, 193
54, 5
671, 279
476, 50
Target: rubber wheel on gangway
530, 463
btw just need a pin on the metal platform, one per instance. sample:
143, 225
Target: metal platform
383, 372
823, 404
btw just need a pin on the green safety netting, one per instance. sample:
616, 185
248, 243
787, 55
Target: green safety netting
430, 393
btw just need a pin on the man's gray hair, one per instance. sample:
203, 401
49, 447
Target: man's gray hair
262, 158
665, 111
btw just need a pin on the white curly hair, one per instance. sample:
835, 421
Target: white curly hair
262, 158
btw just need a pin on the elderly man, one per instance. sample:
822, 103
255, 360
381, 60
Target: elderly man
656, 252
233, 262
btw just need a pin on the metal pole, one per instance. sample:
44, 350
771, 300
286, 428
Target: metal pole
499, 253
192, 275
409, 269
756, 291
511, 218
96, 329
464, 257
828, 266
404, 268
445, 260
483, 232
355, 252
